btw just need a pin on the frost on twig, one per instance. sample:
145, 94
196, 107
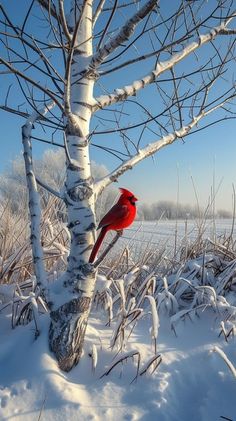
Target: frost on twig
123, 35
226, 360
94, 355
151, 365
166, 300
25, 308
123, 358
124, 320
161, 67
155, 320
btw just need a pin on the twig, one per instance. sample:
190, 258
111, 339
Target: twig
49, 189
226, 360
109, 247
42, 407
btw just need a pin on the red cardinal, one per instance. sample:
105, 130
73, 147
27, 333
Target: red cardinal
120, 216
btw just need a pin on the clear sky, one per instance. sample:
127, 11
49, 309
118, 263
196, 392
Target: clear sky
203, 154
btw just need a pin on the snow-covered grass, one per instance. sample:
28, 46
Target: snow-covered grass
160, 342
15, 250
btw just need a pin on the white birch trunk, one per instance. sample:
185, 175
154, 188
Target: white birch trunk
34, 205
69, 321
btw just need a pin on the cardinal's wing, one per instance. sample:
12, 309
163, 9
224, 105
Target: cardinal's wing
115, 215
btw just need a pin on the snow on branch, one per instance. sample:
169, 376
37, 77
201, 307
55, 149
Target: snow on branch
226, 360
155, 146
124, 34
131, 90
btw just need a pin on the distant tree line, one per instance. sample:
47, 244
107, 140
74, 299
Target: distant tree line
169, 210
50, 170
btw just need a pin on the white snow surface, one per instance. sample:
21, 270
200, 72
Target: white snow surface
191, 383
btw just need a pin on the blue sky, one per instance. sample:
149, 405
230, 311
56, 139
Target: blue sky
202, 154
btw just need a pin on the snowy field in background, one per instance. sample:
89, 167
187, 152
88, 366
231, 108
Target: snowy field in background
191, 383
167, 235
164, 232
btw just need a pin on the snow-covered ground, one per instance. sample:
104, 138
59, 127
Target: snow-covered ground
192, 382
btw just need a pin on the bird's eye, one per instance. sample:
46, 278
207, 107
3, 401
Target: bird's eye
131, 200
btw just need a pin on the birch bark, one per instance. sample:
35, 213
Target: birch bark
34, 204
69, 321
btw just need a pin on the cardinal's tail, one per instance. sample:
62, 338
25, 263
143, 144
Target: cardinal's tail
98, 243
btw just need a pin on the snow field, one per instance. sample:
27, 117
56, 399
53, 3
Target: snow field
190, 383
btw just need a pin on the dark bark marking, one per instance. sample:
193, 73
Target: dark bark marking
67, 331
84, 104
91, 226
82, 118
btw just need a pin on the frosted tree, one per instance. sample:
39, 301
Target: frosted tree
125, 77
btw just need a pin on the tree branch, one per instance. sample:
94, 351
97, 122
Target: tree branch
124, 34
63, 20
98, 11
122, 93
155, 146
108, 24
108, 248
69, 61
32, 82
49, 189
49, 6
14, 111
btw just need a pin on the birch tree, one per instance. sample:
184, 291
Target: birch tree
127, 78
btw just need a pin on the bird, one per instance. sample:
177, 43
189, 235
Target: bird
120, 216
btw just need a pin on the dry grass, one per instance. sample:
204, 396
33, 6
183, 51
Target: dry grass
15, 248
144, 284
183, 285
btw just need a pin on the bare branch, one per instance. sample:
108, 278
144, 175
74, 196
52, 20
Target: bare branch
144, 57
63, 20
124, 34
161, 67
108, 248
32, 81
14, 111
49, 189
155, 146
27, 16
49, 6
108, 24
98, 11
